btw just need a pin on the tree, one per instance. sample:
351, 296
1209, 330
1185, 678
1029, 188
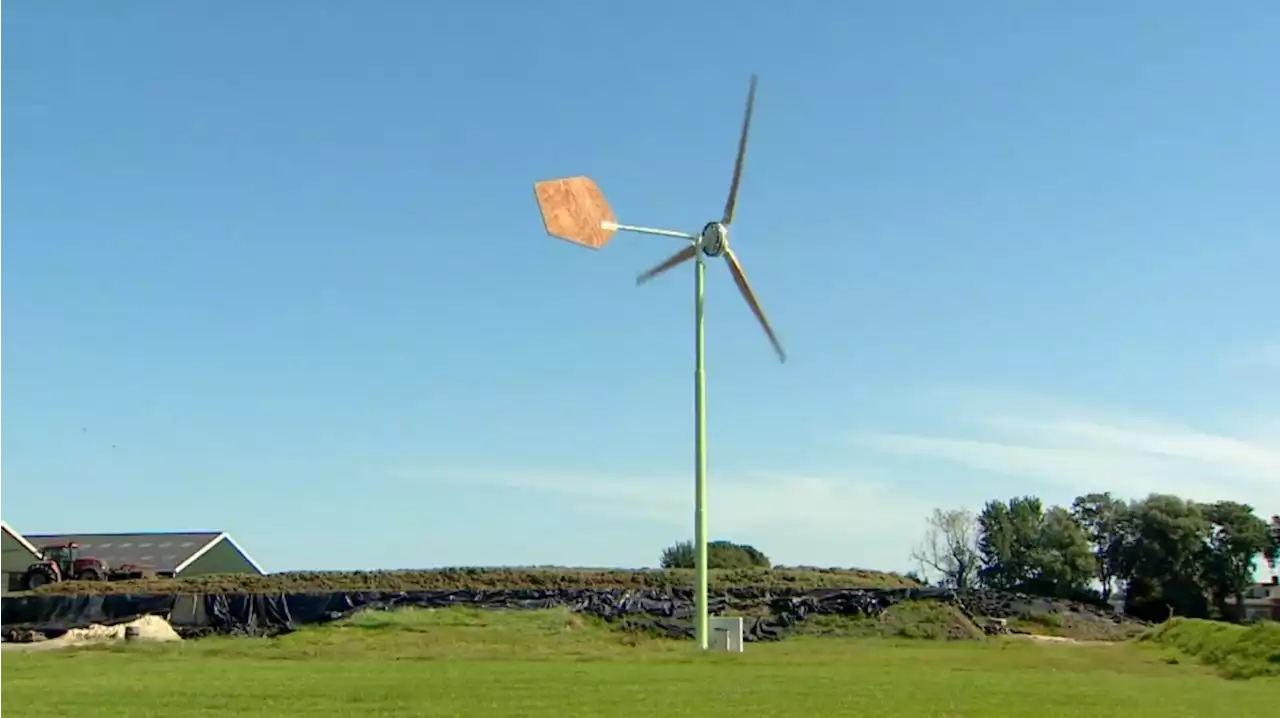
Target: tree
1163, 558
1009, 537
1063, 562
1273, 551
726, 554
720, 554
1026, 548
681, 554
1102, 518
949, 549
1236, 538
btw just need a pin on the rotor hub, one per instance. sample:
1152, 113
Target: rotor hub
713, 240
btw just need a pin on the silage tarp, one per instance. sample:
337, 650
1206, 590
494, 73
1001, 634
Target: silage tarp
59, 613
769, 615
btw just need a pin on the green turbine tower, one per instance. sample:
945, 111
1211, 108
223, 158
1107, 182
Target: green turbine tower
574, 209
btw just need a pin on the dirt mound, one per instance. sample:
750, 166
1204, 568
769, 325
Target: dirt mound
1036, 615
773, 611
1237, 652
929, 620
748, 592
146, 628
779, 579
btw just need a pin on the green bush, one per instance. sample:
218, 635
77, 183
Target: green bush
720, 555
1235, 651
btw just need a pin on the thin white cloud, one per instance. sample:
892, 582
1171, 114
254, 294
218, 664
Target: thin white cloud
1048, 447
823, 520
1068, 450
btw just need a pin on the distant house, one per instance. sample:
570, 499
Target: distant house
180, 555
1262, 601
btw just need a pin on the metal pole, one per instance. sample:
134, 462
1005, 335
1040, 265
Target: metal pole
614, 226
700, 452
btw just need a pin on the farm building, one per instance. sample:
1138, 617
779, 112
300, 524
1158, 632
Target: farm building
18, 553
182, 554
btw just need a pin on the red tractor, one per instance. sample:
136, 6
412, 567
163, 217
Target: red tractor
64, 563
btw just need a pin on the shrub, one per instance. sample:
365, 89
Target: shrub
1235, 651
720, 554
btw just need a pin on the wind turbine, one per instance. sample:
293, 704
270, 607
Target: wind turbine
574, 209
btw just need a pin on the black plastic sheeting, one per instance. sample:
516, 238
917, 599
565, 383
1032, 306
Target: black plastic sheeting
668, 612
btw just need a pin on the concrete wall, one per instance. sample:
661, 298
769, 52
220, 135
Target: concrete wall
222, 558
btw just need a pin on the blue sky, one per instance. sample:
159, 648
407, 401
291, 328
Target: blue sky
276, 269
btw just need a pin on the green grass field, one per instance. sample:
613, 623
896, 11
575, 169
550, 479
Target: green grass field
463, 662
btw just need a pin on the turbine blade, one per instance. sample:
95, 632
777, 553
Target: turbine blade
743, 286
683, 255
742, 155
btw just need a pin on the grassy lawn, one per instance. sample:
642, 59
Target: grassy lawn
473, 663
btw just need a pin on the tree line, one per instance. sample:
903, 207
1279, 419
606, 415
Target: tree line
1163, 554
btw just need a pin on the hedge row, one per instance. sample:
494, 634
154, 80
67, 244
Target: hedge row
800, 579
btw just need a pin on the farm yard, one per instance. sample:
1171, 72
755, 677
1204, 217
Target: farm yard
208, 632
276, 272
870, 646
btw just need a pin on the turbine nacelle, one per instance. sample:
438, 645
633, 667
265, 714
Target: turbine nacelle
713, 240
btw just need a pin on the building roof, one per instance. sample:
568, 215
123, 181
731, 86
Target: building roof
22, 540
164, 552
